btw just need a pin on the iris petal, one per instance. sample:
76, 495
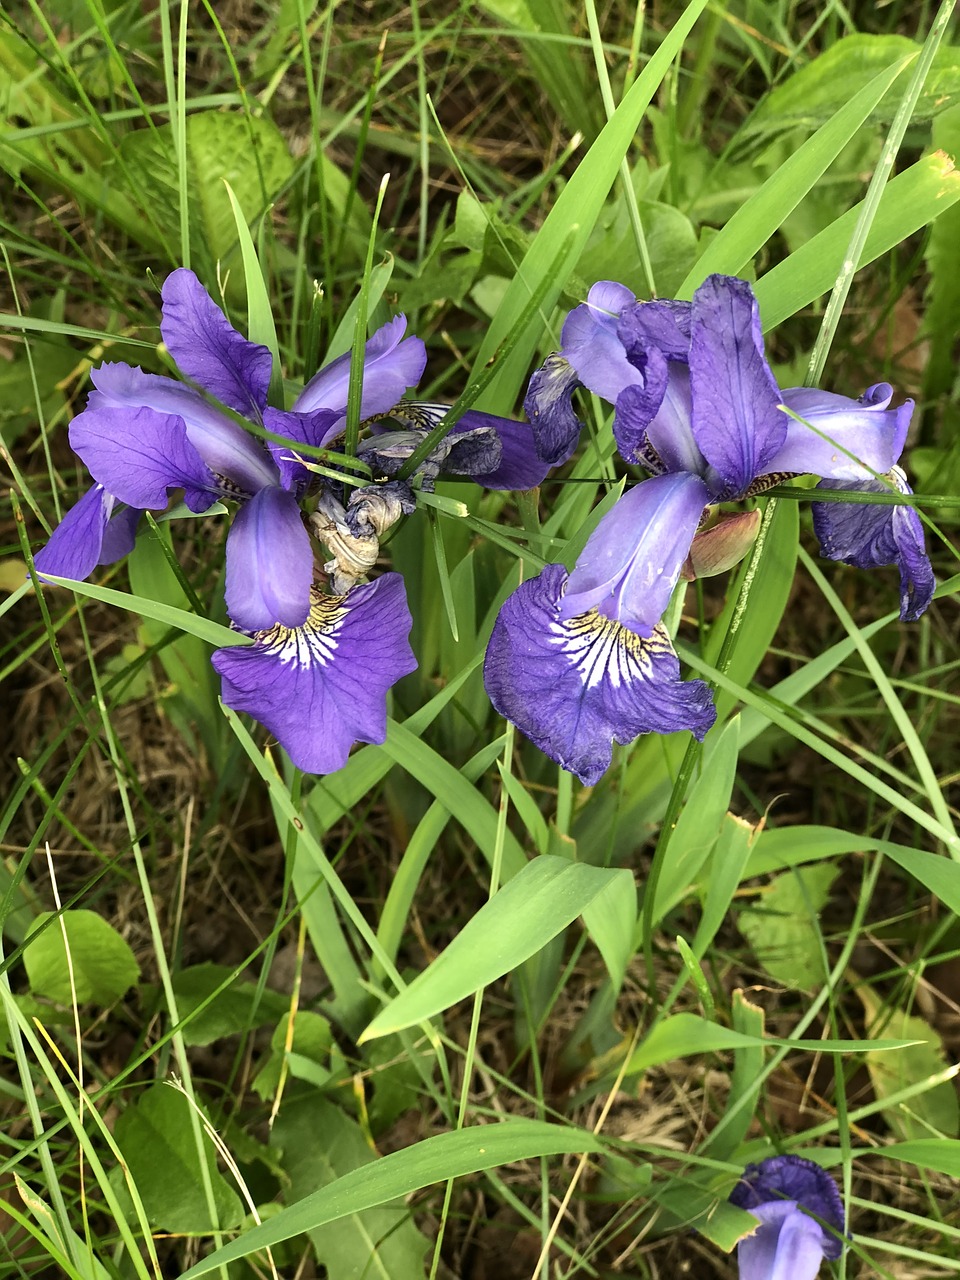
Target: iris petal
138, 454
75, 546
390, 367
209, 350
787, 1245
574, 686
269, 563
792, 1177
321, 687
866, 428
591, 344
871, 536
520, 466
549, 406
737, 422
633, 558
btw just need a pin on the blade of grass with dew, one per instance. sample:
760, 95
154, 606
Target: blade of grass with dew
573, 217
537, 904
735, 244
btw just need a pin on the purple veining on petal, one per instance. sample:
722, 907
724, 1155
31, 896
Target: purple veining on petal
870, 536
323, 686
866, 428
664, 324
269, 563
737, 420
209, 350
574, 686
391, 365
633, 558
226, 448
140, 454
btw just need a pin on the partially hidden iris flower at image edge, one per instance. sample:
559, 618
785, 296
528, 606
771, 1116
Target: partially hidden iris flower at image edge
320, 666
582, 661
788, 1244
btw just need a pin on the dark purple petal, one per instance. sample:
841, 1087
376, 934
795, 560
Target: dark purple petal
226, 448
138, 454
315, 429
269, 563
866, 428
639, 404
788, 1245
75, 546
575, 686
520, 466
633, 558
322, 687
590, 342
390, 367
548, 405
664, 324
871, 536
737, 421
795, 1178
209, 350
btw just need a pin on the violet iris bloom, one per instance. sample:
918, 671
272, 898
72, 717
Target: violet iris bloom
789, 1244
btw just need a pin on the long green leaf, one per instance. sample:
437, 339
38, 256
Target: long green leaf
449, 1155
536, 905
572, 219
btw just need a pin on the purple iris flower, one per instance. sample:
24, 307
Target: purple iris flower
789, 1244
582, 660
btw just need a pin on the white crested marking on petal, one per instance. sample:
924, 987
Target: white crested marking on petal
314, 643
602, 649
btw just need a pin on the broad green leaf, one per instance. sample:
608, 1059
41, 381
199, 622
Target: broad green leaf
571, 221
936, 1110
926, 1153
547, 895
611, 252
912, 199
824, 85
448, 1155
782, 929
312, 1040
156, 1138
611, 920
320, 1144
248, 151
728, 861
104, 966
752, 225
745, 1080
232, 1010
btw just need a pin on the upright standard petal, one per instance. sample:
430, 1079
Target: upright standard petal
391, 365
664, 324
845, 439
139, 454
549, 406
313, 429
321, 687
75, 546
209, 350
870, 536
787, 1245
575, 686
790, 1177
632, 560
591, 344
737, 420
269, 563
